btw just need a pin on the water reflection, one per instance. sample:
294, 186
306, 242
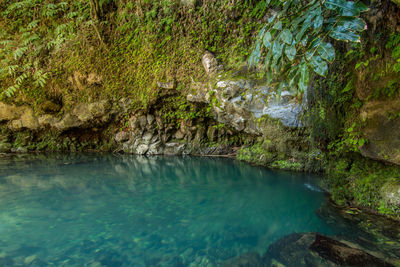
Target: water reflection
77, 210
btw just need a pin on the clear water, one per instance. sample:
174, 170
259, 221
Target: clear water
136, 211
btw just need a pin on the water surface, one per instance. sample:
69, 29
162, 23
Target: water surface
87, 210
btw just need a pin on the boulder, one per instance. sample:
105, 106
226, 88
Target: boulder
68, 121
85, 115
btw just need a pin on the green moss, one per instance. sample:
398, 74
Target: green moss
360, 182
287, 165
257, 154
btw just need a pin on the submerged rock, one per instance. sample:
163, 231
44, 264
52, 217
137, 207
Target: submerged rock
313, 249
341, 254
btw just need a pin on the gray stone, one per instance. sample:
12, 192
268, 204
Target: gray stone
142, 149
168, 85
147, 137
122, 136
142, 121
210, 64
150, 118
239, 104
174, 148
155, 149
179, 135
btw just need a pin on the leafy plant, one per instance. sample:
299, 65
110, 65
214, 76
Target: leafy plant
26, 36
394, 43
350, 141
296, 41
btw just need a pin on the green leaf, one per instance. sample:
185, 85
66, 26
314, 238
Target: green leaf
304, 77
318, 65
277, 49
267, 40
326, 51
278, 25
290, 52
261, 33
346, 8
343, 34
355, 24
318, 21
286, 36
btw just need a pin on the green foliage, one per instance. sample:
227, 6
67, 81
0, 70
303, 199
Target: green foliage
360, 182
350, 141
30, 30
394, 43
296, 40
287, 165
175, 109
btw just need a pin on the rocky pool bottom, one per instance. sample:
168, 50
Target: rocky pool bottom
109, 210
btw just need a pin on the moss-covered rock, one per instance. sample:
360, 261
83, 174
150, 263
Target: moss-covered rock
382, 130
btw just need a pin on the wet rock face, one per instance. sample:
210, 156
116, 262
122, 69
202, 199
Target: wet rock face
382, 130
149, 134
239, 103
